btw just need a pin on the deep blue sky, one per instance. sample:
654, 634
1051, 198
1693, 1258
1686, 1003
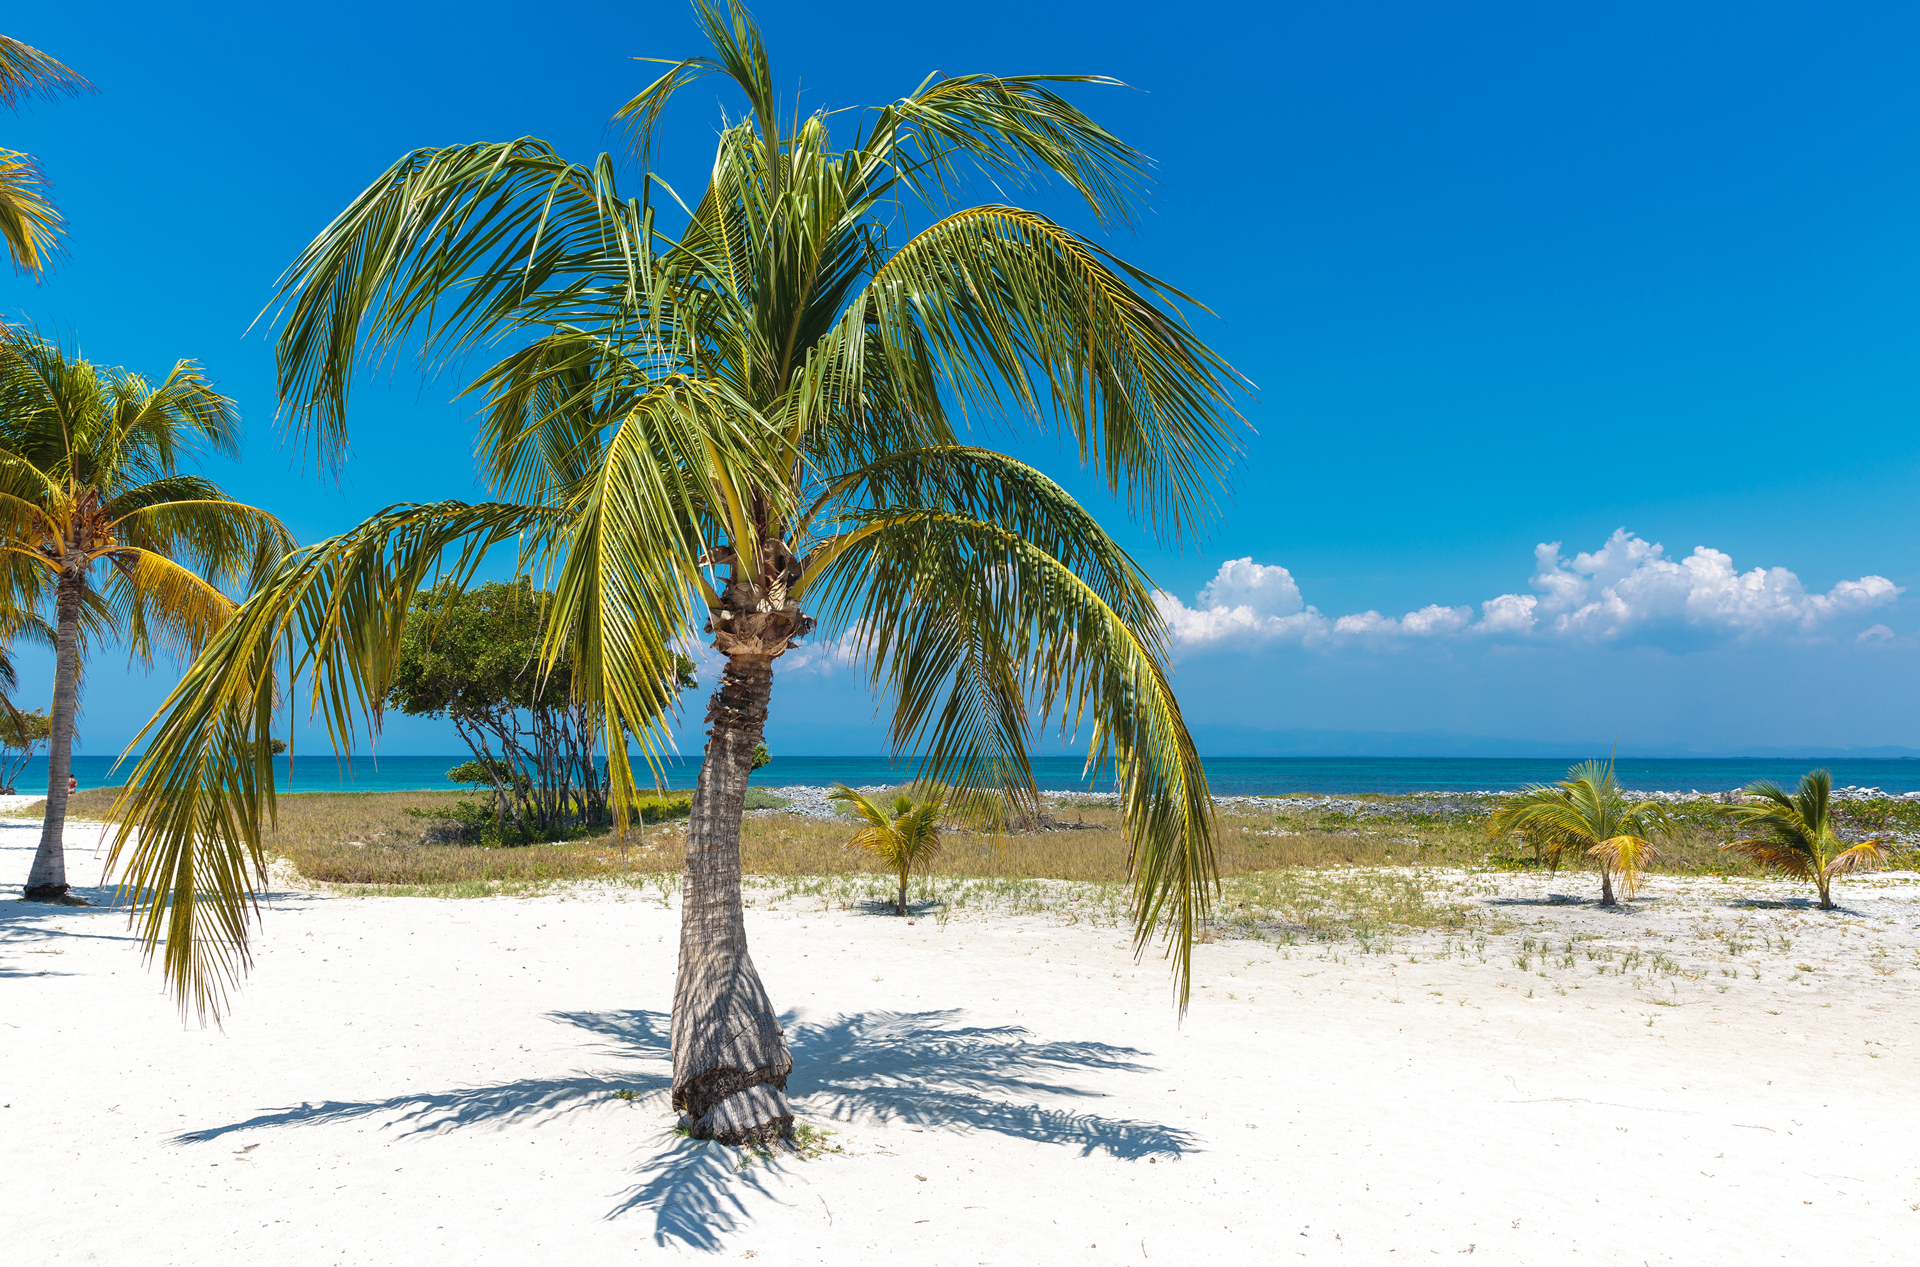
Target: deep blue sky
1504, 273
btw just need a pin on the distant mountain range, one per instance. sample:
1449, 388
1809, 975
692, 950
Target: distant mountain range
1248, 741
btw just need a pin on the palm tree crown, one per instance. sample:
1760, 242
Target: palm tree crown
740, 432
1793, 833
1590, 811
97, 522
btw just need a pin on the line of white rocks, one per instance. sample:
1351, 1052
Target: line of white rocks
812, 801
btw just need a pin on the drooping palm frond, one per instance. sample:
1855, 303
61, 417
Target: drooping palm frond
972, 626
1009, 309
500, 225
1627, 855
18, 623
196, 802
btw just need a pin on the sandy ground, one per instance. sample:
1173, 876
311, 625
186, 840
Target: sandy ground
418, 1081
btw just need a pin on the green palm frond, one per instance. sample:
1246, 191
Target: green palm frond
739, 55
974, 628
231, 544
1008, 129
195, 804
1012, 309
506, 226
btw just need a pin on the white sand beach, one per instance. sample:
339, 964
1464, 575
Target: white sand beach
407, 1080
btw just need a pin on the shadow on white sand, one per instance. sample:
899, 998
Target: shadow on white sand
922, 1069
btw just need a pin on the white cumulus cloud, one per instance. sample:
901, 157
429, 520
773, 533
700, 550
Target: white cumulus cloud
1627, 590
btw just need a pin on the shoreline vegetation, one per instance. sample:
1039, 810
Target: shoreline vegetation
1292, 868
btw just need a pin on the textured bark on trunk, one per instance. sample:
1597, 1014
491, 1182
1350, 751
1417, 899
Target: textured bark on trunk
47, 881
1606, 886
730, 1058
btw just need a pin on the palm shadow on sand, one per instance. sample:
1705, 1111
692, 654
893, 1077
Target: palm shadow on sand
925, 1069
38, 928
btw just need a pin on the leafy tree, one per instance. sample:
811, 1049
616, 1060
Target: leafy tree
28, 222
20, 735
761, 757
1589, 811
742, 429
1793, 833
473, 657
276, 746
100, 526
905, 838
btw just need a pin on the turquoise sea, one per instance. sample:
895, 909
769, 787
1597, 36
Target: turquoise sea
1230, 776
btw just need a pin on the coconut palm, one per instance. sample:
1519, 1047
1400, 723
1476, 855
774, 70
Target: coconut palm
1588, 811
98, 524
1793, 834
748, 430
28, 222
905, 838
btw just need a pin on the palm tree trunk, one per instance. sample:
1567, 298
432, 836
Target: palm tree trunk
730, 1058
901, 905
1606, 885
1824, 883
47, 881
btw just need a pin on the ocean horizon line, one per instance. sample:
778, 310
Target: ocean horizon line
1226, 775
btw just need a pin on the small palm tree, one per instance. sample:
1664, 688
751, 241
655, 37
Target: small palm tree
1588, 810
905, 840
28, 222
96, 522
1793, 834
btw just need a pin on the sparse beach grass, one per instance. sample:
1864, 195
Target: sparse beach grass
1290, 875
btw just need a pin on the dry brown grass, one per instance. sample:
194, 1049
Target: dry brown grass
369, 839
1086, 844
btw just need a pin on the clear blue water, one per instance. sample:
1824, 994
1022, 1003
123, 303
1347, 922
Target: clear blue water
1230, 776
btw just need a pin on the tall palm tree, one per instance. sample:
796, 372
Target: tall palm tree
29, 224
97, 522
750, 431
904, 838
1793, 833
1588, 810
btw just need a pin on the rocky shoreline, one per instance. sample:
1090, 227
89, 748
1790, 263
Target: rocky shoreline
811, 801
